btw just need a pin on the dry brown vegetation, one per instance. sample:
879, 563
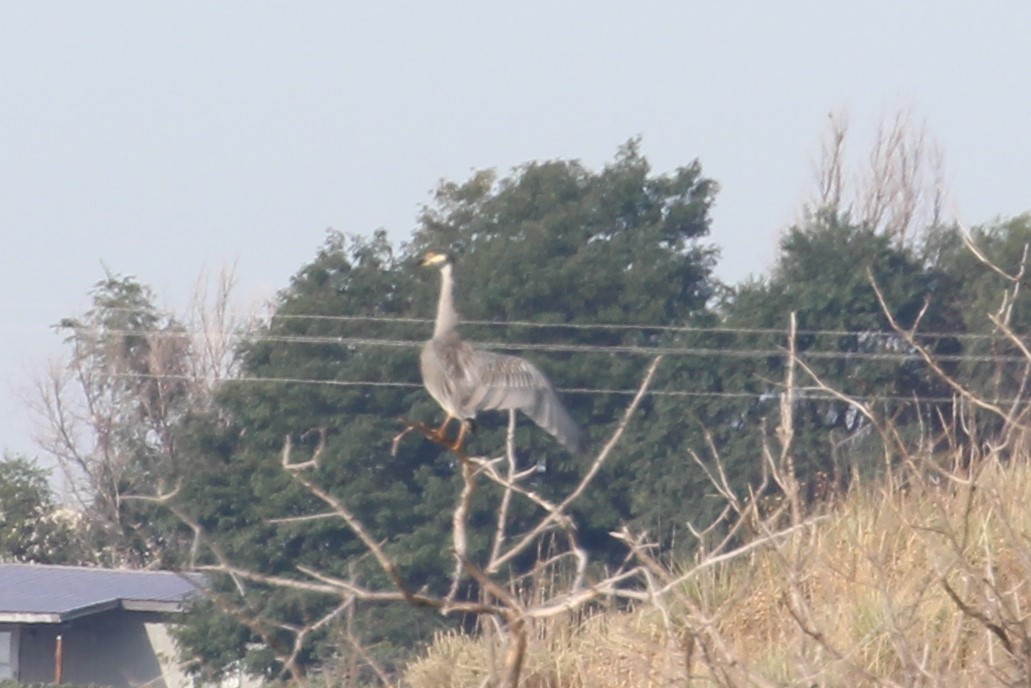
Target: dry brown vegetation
923, 583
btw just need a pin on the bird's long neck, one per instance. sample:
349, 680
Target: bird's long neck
447, 318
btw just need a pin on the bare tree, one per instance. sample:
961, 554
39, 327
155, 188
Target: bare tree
899, 189
107, 415
215, 322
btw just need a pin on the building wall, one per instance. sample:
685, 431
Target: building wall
111, 648
164, 649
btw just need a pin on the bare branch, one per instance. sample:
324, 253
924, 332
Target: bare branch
929, 358
296, 470
506, 495
588, 477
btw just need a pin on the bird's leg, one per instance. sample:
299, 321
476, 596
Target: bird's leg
438, 435
441, 431
463, 432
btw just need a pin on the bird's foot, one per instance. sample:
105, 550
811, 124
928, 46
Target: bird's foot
432, 434
435, 435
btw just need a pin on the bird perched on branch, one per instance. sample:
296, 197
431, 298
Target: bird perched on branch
465, 380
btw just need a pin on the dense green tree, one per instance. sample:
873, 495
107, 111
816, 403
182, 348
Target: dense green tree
984, 271
727, 378
823, 275
559, 244
308, 357
984, 287
33, 526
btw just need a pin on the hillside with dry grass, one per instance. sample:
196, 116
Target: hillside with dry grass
923, 581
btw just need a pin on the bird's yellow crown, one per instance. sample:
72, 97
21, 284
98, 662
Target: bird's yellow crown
434, 258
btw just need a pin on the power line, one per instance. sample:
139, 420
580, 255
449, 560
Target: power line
765, 395
713, 329
813, 354
615, 327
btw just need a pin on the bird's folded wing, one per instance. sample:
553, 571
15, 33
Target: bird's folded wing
509, 382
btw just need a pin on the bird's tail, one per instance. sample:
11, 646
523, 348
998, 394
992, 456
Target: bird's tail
550, 414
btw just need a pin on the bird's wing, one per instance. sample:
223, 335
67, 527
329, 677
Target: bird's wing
497, 381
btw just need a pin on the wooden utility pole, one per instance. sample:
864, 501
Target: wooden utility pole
58, 659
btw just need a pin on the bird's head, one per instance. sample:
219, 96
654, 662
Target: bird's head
434, 257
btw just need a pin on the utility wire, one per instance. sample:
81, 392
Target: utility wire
813, 354
765, 395
714, 329
617, 327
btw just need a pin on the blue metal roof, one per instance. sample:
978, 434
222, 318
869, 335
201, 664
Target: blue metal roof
33, 593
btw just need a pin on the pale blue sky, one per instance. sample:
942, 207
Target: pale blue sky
163, 139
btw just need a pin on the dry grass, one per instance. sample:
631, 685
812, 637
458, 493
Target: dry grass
604, 651
922, 585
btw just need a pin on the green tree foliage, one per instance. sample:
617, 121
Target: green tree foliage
560, 244
726, 379
553, 243
33, 527
307, 358
986, 286
825, 274
985, 271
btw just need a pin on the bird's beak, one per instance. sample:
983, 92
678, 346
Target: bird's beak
429, 259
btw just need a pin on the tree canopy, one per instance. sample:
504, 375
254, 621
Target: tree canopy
33, 527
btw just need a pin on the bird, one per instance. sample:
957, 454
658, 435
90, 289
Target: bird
465, 380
